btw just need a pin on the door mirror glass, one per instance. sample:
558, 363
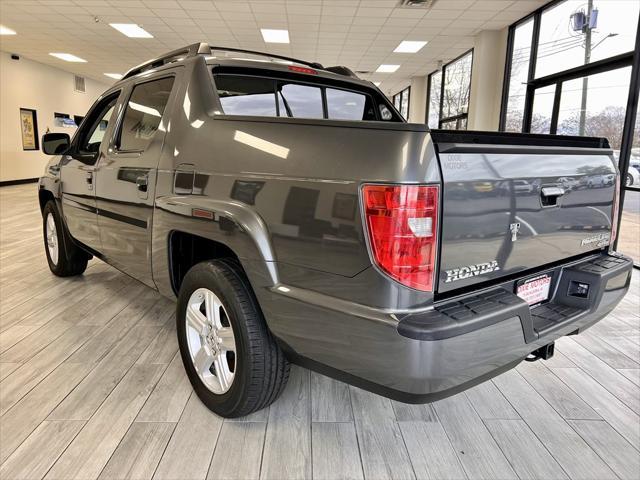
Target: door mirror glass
55, 143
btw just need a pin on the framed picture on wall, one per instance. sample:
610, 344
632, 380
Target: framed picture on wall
29, 129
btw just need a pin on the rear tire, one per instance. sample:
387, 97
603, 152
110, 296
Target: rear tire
232, 360
64, 257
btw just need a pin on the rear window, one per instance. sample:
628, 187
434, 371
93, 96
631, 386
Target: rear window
246, 95
299, 101
345, 105
261, 96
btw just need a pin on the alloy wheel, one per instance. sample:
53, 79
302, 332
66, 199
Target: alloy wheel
212, 344
52, 239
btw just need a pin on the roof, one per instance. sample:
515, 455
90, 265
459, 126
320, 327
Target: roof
235, 55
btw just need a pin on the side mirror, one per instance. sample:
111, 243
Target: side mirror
55, 143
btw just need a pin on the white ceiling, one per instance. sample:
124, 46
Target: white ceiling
360, 34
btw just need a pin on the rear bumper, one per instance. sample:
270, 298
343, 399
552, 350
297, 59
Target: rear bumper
422, 357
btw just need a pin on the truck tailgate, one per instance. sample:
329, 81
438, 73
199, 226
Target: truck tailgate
514, 202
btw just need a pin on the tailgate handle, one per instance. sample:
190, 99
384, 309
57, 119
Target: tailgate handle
552, 191
550, 196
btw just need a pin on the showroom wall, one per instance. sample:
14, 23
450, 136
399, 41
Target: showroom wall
29, 84
487, 75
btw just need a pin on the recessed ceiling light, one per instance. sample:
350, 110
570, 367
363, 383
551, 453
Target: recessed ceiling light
410, 46
387, 68
6, 30
115, 76
67, 57
131, 30
275, 36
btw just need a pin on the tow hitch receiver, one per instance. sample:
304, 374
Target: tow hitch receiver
544, 353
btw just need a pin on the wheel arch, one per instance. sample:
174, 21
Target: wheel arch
186, 249
44, 196
215, 229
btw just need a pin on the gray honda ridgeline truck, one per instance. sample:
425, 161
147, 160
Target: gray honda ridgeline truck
298, 218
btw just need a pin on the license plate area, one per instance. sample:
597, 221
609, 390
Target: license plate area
535, 290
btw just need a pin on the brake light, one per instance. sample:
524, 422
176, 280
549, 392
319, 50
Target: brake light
614, 213
402, 223
310, 71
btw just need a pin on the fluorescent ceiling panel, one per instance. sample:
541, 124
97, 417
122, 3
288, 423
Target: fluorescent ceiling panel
67, 57
387, 68
115, 76
131, 30
275, 36
410, 46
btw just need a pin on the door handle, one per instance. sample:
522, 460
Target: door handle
89, 179
142, 183
552, 191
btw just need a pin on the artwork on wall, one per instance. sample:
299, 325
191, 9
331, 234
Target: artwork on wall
29, 129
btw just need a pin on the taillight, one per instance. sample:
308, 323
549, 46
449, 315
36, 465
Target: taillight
614, 213
402, 223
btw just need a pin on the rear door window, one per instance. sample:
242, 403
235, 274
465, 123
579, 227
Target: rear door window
143, 113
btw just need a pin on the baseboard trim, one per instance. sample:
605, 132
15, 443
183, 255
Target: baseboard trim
21, 181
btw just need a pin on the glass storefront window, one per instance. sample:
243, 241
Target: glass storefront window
568, 93
595, 106
452, 95
457, 87
542, 109
628, 241
401, 102
518, 76
629, 238
563, 45
435, 90
404, 104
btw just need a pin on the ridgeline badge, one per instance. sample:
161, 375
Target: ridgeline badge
469, 271
596, 241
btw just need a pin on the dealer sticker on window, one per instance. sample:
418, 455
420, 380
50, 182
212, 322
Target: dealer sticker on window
535, 290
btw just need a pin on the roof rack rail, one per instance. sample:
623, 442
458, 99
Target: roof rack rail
342, 70
188, 51
280, 57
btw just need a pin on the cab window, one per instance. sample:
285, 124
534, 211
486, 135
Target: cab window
143, 114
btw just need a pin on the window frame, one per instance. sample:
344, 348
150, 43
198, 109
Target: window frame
461, 116
301, 81
400, 95
117, 137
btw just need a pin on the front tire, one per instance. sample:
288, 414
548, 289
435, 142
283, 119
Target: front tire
65, 258
231, 358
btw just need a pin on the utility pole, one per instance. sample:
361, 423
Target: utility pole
587, 60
